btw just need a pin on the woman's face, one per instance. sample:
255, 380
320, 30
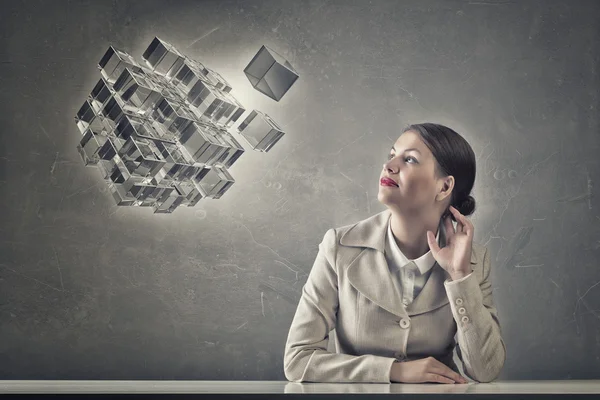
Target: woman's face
411, 165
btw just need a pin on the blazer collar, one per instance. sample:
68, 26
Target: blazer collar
370, 232
369, 272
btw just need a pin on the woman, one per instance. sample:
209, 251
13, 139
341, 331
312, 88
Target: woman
395, 294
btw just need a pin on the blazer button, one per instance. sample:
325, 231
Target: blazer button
404, 323
465, 319
459, 302
462, 310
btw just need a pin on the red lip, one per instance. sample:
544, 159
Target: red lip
388, 182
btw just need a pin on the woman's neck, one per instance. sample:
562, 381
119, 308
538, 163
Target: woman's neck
410, 234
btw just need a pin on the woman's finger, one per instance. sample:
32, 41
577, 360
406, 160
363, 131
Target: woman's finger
433, 245
442, 369
458, 218
431, 377
449, 228
465, 224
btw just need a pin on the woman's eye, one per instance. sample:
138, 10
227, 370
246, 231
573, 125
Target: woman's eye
390, 156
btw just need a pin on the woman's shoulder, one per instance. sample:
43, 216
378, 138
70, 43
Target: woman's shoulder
362, 232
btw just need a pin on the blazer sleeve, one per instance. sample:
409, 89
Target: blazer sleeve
306, 358
480, 345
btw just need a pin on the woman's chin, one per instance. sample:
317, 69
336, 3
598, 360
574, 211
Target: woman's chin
385, 198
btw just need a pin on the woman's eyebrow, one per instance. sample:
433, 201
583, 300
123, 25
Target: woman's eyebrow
412, 148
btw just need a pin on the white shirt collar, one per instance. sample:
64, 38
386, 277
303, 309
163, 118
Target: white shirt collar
424, 263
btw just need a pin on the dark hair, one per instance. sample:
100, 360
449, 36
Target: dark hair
454, 156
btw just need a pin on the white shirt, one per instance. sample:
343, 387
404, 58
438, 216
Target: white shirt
410, 275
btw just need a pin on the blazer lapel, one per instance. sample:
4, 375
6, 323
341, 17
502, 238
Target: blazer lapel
370, 275
369, 272
433, 295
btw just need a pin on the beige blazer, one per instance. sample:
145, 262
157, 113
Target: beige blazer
350, 290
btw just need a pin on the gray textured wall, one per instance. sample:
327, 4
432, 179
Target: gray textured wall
89, 290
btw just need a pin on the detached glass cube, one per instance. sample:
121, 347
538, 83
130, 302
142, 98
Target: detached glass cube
162, 57
114, 62
260, 131
270, 73
215, 181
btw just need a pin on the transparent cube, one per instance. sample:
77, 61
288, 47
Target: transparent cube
217, 80
214, 180
210, 104
89, 146
260, 131
234, 148
191, 191
172, 116
162, 57
188, 75
168, 204
233, 110
177, 167
138, 126
270, 73
138, 91
202, 144
114, 110
157, 133
110, 150
114, 170
114, 62
87, 119
148, 195
141, 157
101, 93
122, 198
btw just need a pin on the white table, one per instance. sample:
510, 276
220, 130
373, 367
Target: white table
288, 390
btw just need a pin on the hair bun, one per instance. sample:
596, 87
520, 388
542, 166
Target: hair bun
467, 205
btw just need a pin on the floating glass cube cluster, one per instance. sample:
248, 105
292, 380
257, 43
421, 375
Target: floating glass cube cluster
159, 132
